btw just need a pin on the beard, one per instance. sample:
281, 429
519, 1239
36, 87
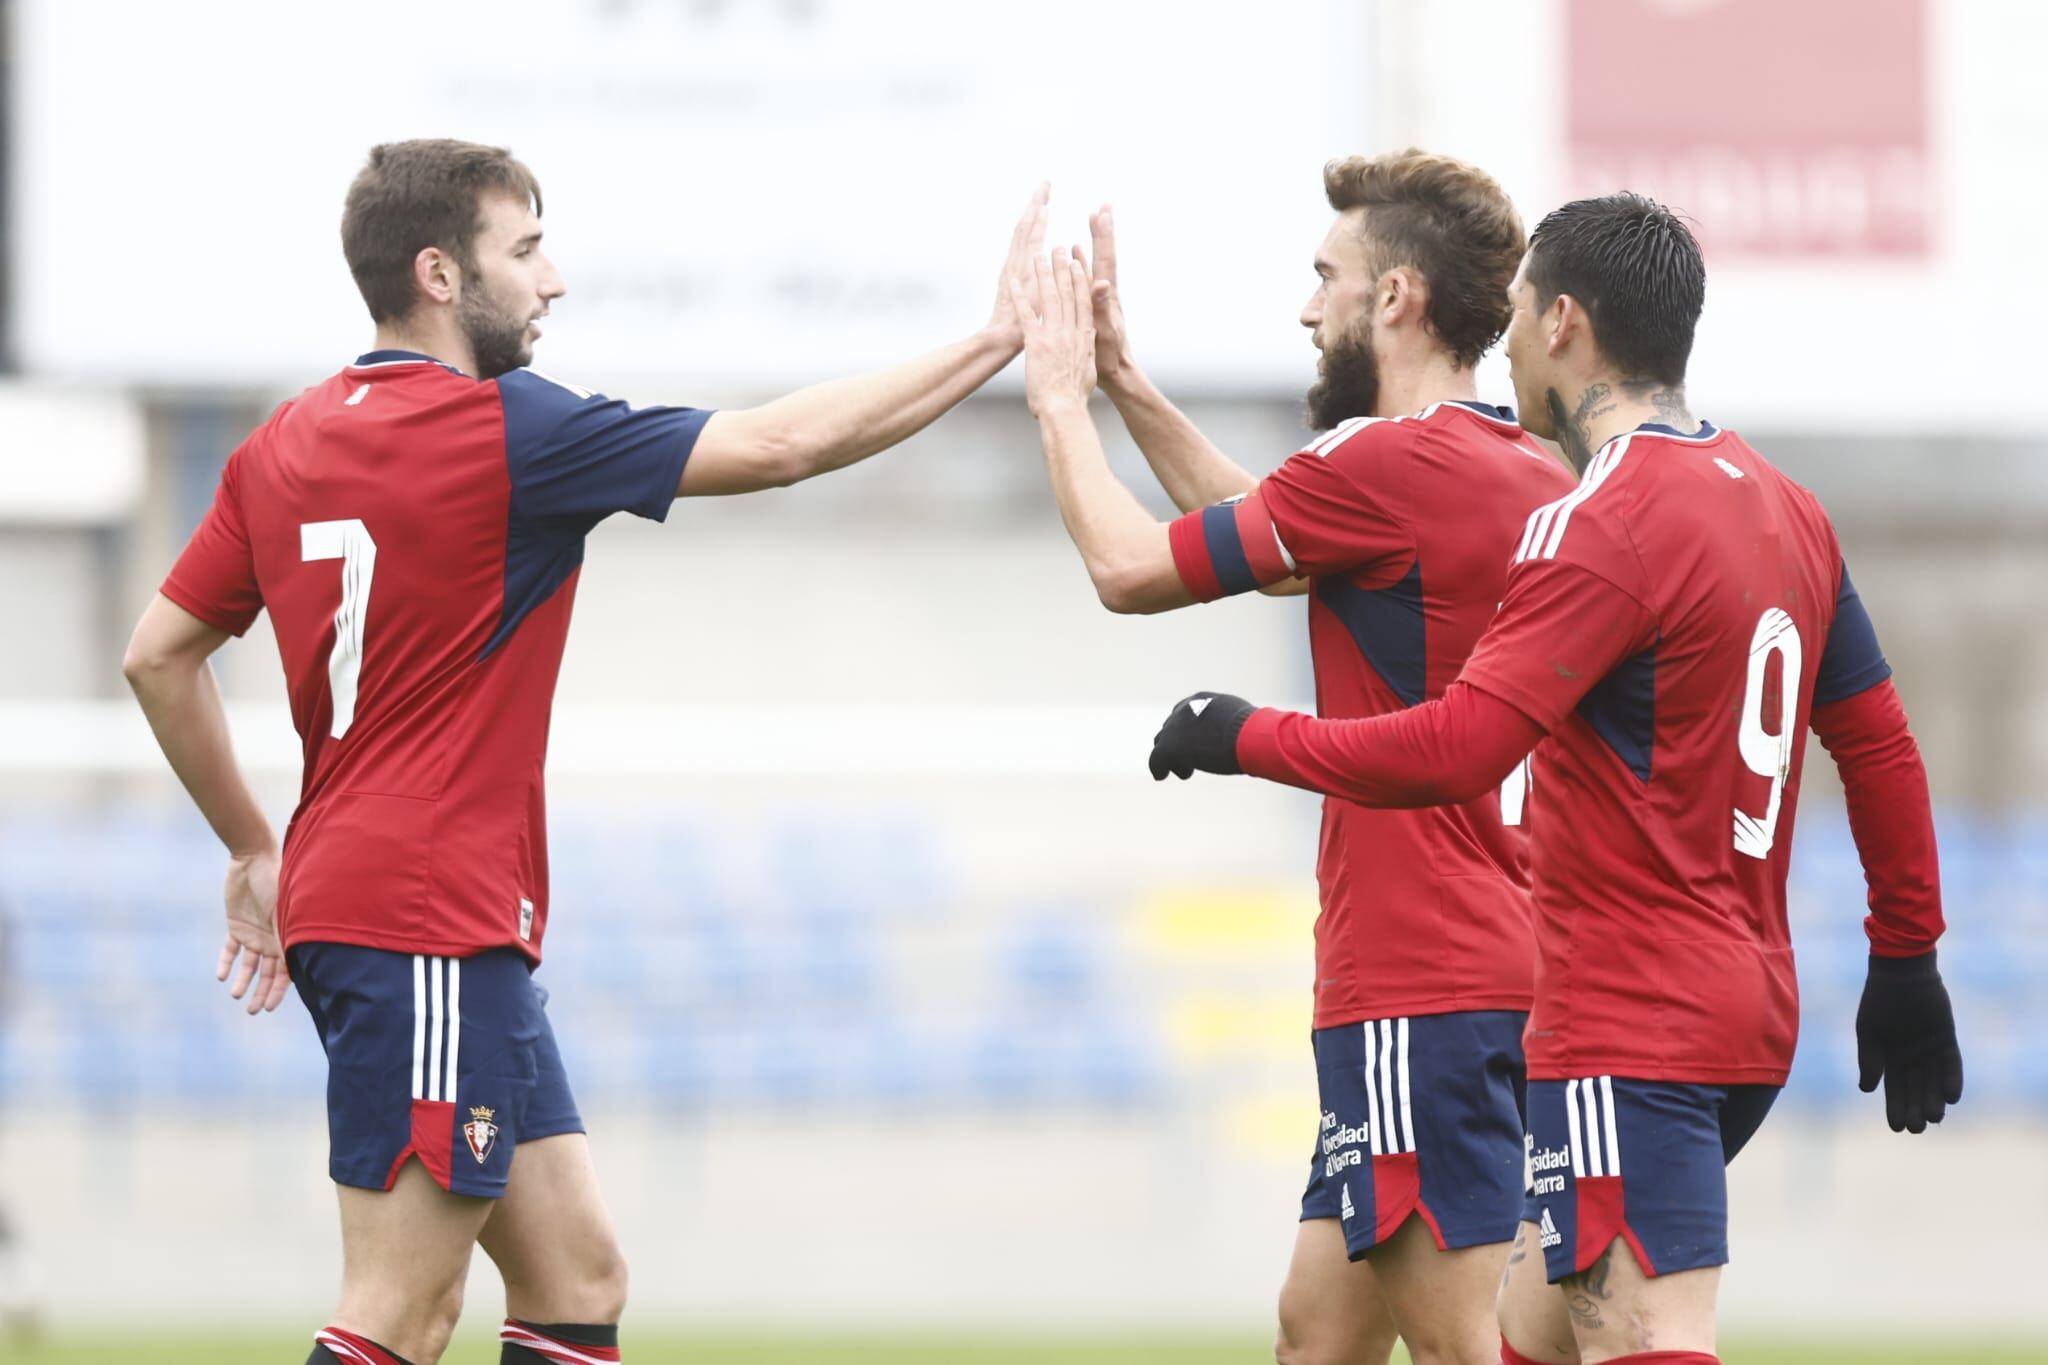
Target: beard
496, 337
1350, 382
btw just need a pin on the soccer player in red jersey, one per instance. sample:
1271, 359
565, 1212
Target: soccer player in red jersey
415, 527
1671, 628
1401, 517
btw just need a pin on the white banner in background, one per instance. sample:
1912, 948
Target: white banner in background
742, 196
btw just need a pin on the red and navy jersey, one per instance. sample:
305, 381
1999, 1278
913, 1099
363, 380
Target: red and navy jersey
416, 536
1671, 623
1405, 525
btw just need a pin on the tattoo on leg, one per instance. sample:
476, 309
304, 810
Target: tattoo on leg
1515, 1257
1586, 1290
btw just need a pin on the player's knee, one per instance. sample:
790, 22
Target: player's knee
1300, 1342
609, 1280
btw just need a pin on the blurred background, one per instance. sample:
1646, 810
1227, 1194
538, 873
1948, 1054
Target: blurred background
899, 999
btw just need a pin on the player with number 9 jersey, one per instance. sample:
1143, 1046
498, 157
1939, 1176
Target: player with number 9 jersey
1671, 629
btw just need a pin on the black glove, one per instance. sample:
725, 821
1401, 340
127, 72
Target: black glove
1201, 732
1906, 1034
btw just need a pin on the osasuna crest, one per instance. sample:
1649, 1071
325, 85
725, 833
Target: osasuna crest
480, 1133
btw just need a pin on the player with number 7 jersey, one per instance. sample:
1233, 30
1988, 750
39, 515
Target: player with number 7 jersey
415, 526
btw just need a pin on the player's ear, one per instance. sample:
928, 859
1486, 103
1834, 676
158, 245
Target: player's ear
1563, 320
435, 273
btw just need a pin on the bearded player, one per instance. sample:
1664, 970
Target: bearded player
1671, 629
415, 527
1400, 517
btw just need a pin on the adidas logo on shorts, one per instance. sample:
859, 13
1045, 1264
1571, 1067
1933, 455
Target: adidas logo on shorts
1347, 1211
1547, 1232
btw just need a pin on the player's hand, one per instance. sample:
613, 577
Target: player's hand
1200, 734
1112, 341
1059, 330
1027, 240
1906, 1036
251, 895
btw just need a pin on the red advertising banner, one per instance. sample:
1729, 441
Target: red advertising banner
1790, 129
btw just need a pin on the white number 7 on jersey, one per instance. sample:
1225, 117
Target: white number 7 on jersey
1763, 753
348, 541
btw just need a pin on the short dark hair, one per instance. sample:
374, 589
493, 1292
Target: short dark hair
413, 195
1636, 269
1449, 221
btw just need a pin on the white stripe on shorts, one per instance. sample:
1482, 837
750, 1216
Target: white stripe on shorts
1407, 1111
454, 1028
1613, 1137
1372, 1088
1571, 1118
419, 1026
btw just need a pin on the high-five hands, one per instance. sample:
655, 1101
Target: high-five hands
1053, 305
1200, 734
1112, 341
1027, 241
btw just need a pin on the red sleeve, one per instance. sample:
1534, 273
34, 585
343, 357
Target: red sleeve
1340, 512
1890, 817
1561, 630
1441, 753
1227, 549
215, 577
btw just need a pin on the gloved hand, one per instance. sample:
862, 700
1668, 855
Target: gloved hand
1906, 1035
1200, 733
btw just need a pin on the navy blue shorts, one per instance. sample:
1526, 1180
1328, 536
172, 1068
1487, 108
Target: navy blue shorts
1646, 1161
448, 1059
1421, 1115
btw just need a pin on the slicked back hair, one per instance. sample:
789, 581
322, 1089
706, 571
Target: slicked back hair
1448, 221
1636, 269
413, 195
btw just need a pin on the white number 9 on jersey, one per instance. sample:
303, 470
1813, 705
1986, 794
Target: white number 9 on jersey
1766, 754
348, 541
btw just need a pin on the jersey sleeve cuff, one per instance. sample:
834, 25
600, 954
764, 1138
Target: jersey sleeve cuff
668, 481
1258, 744
199, 607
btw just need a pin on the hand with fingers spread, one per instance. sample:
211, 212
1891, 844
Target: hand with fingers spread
1027, 242
1200, 735
1059, 331
1112, 341
1906, 1037
251, 895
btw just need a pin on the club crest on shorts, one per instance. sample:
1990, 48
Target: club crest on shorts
481, 1133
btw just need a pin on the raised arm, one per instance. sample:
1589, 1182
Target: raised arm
1128, 554
167, 666
1188, 464
840, 422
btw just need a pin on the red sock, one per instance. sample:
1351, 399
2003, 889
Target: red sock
1510, 1356
332, 1343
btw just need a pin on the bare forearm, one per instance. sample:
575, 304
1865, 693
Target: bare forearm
842, 421
1118, 539
182, 702
1188, 464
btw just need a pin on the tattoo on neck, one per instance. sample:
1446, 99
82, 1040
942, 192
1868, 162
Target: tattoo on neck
1574, 427
1668, 399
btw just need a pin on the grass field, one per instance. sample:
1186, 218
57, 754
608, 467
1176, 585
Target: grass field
200, 1350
